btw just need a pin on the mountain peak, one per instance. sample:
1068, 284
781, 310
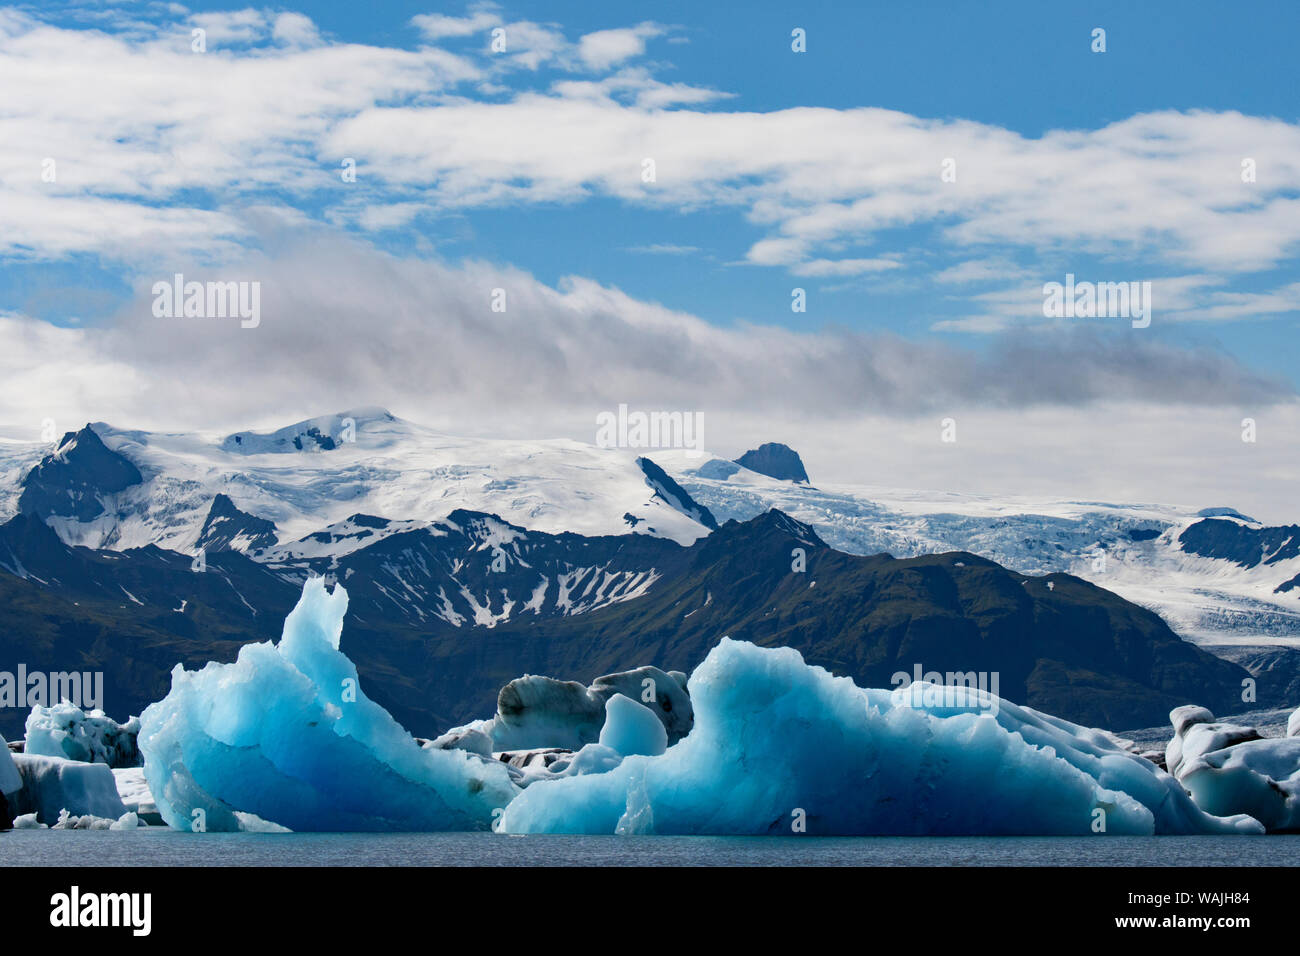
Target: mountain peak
69, 481
227, 528
776, 461
321, 434
674, 495
774, 521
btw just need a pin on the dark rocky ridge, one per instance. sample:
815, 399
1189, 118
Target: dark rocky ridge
776, 461
1058, 643
69, 481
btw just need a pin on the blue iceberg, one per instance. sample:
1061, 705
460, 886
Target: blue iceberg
285, 738
781, 747
285, 734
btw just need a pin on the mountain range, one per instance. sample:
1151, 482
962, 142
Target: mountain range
469, 562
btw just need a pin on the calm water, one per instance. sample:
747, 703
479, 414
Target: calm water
163, 847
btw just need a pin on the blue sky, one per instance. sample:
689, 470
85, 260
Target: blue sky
1026, 67
775, 170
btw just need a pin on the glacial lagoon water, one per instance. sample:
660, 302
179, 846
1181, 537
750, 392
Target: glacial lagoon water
159, 846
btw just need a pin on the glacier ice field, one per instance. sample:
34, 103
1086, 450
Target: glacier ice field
284, 737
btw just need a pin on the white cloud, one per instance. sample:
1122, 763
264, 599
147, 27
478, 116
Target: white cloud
979, 270
665, 249
843, 267
344, 325
140, 121
295, 29
1222, 306
363, 326
602, 49
232, 27
436, 26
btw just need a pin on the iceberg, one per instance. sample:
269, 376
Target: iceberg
51, 785
65, 730
286, 734
11, 784
135, 795
1230, 768
781, 747
10, 781
284, 738
535, 712
631, 729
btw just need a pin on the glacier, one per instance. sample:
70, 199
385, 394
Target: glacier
781, 747
286, 734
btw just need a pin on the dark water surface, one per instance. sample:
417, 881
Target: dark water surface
164, 847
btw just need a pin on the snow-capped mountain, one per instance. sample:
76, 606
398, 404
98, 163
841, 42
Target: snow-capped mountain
156, 488
471, 569
440, 617
311, 493
1215, 575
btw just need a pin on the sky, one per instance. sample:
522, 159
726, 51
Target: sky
653, 187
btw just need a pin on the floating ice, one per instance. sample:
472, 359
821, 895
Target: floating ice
536, 712
631, 729
65, 730
54, 784
134, 791
285, 733
1229, 768
28, 821
781, 747
10, 781
68, 821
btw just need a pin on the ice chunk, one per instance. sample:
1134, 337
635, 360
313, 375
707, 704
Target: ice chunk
54, 784
535, 712
664, 694
286, 733
65, 730
1192, 739
1293, 725
1229, 768
471, 739
10, 781
632, 729
781, 747
629, 728
134, 791
251, 823
69, 821
28, 821
592, 758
